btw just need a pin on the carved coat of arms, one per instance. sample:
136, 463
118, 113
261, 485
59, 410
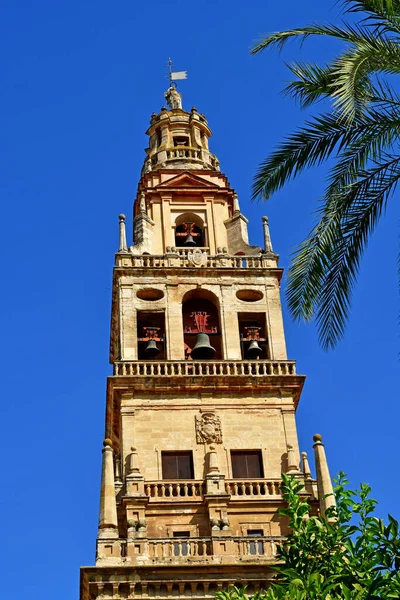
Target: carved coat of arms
208, 429
197, 258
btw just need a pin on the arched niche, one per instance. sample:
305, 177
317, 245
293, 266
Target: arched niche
200, 314
189, 224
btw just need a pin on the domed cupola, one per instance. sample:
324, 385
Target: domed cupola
178, 139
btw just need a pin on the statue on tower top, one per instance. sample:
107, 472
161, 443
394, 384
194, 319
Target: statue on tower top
173, 97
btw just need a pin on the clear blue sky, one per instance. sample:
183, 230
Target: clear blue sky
79, 83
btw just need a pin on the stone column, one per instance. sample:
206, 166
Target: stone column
108, 521
324, 481
122, 235
267, 236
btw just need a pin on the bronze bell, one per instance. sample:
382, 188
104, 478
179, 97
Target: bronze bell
151, 350
203, 348
254, 350
189, 241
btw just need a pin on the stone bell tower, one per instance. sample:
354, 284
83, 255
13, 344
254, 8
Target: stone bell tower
200, 417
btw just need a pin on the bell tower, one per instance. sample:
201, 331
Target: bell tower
200, 413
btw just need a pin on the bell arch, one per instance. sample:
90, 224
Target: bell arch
201, 325
189, 231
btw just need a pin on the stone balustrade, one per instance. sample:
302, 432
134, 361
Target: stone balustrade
265, 547
183, 152
209, 368
179, 548
188, 259
178, 490
255, 487
221, 549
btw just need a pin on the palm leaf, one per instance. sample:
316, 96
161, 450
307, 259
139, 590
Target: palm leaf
383, 15
334, 250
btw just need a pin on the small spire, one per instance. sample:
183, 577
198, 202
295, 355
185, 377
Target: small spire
108, 506
236, 207
324, 482
306, 466
292, 466
267, 236
122, 235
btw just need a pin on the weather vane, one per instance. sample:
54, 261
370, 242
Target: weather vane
174, 75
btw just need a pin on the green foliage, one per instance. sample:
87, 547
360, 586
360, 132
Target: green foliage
362, 130
350, 554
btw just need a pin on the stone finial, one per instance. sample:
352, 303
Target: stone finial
108, 505
267, 236
292, 466
324, 482
212, 461
306, 466
122, 235
236, 207
133, 463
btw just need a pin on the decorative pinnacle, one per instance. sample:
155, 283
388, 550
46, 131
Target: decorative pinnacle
122, 234
267, 236
107, 442
317, 437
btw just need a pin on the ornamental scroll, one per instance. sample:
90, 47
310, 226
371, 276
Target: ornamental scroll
208, 429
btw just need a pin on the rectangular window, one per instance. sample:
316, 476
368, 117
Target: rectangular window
256, 547
177, 465
181, 548
247, 464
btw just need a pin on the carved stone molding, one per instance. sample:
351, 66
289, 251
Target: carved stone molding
197, 258
208, 429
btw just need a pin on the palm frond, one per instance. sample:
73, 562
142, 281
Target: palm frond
354, 34
326, 265
383, 15
312, 145
351, 78
313, 83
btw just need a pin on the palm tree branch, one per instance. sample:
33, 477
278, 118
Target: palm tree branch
309, 146
351, 81
381, 14
312, 84
368, 198
354, 34
325, 265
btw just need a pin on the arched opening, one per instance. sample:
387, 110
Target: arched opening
201, 326
253, 336
189, 231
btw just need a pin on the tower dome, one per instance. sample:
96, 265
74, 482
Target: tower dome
178, 139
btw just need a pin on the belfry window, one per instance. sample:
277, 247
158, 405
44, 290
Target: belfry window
151, 335
189, 231
253, 339
201, 329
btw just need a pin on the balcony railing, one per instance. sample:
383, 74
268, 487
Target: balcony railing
265, 547
186, 260
253, 487
177, 490
179, 548
221, 548
210, 368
